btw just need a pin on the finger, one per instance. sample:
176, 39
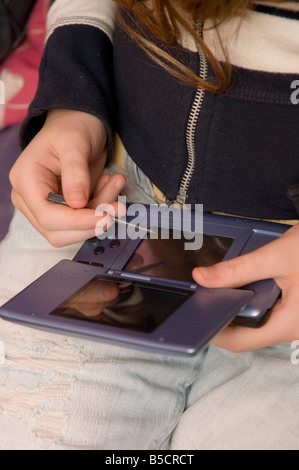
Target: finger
101, 291
53, 217
260, 264
75, 180
61, 236
240, 339
282, 326
109, 191
37, 184
31, 198
100, 184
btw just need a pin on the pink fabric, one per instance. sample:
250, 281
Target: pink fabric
19, 72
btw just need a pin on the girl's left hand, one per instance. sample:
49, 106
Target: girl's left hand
278, 260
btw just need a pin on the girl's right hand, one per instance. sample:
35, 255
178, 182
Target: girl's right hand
67, 156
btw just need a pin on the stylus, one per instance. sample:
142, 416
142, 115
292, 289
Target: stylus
147, 268
129, 224
59, 199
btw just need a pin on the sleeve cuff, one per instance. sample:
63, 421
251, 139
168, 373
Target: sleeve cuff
76, 72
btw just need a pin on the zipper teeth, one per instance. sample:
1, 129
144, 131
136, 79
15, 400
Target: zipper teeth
191, 126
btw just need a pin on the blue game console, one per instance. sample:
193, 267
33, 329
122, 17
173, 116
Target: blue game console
134, 287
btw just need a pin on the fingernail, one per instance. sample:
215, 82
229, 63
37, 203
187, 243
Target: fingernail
76, 195
119, 184
205, 273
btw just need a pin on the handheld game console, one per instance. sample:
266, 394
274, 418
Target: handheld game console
138, 291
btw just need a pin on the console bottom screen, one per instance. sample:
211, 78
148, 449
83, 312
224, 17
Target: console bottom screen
123, 304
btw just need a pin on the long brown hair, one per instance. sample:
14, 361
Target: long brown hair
165, 18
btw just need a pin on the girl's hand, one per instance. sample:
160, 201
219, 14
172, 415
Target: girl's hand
278, 260
68, 155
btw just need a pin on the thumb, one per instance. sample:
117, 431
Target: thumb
75, 181
260, 264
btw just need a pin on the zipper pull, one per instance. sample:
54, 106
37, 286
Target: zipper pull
182, 197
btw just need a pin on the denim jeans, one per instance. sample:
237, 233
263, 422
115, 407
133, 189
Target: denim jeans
59, 392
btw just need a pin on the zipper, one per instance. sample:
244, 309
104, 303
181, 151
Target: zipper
192, 123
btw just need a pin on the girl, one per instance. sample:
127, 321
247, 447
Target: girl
199, 93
